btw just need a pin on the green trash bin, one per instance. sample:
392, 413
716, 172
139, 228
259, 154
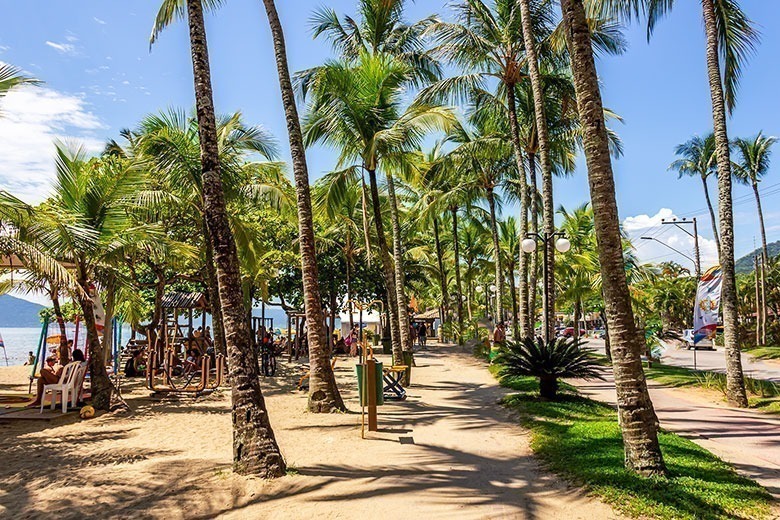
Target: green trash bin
379, 384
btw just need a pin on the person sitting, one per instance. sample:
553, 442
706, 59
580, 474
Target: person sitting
191, 363
50, 374
30, 359
77, 355
341, 347
132, 366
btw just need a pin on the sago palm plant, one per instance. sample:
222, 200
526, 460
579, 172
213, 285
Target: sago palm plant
548, 362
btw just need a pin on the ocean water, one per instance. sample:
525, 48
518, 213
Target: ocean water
21, 340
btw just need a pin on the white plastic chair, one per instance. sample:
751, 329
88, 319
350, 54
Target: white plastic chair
78, 383
65, 386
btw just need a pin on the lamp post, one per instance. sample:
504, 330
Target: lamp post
528, 245
493, 290
480, 290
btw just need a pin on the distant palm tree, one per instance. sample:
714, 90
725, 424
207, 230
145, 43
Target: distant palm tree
254, 446
697, 158
356, 106
753, 166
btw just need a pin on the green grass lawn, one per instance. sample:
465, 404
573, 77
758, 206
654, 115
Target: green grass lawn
764, 352
580, 439
762, 395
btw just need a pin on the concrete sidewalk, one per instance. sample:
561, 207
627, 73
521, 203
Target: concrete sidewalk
747, 439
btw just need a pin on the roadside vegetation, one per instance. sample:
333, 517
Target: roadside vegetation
580, 439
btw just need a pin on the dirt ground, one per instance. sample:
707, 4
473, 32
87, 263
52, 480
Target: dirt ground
448, 451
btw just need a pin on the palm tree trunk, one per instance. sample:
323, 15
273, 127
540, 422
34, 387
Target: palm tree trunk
458, 289
522, 263
102, 388
220, 344
638, 421
577, 313
764, 262
323, 393
348, 262
513, 291
548, 209
398, 262
715, 233
445, 297
534, 268
254, 446
387, 270
735, 381
497, 252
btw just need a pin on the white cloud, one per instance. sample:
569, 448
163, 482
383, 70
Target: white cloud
4, 48
32, 118
98, 20
63, 48
665, 238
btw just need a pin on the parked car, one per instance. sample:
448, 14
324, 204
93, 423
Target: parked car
568, 332
704, 344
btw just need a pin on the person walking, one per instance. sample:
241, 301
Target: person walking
422, 332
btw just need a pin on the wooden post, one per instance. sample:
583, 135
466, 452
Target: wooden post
189, 321
370, 378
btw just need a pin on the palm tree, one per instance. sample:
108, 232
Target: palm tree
86, 222
697, 157
323, 393
11, 78
382, 30
638, 421
730, 39
487, 43
753, 166
544, 155
356, 107
255, 449
509, 238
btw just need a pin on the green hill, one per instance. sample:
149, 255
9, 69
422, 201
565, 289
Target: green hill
745, 264
15, 312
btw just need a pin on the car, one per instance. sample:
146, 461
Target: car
568, 332
703, 344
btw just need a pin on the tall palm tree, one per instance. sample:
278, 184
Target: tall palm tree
356, 107
638, 420
381, 29
530, 44
509, 238
730, 39
323, 393
255, 450
755, 154
486, 42
697, 157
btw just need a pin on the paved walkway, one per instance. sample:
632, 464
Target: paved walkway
747, 439
710, 360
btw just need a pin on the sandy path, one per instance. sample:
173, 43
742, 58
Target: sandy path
448, 451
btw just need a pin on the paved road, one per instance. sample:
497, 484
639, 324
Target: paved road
711, 360
747, 439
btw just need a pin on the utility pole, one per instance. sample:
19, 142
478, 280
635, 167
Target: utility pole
695, 236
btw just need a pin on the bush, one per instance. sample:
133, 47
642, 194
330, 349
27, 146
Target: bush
548, 362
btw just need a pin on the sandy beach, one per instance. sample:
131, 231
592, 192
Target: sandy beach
449, 450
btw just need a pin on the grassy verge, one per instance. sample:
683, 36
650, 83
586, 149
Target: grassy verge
762, 395
581, 440
764, 352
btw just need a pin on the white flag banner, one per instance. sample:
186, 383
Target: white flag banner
97, 306
707, 308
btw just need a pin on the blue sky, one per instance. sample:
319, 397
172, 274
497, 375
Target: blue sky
100, 77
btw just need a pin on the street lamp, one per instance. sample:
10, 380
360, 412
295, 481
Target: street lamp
562, 245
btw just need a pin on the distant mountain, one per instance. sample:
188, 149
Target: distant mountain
745, 264
15, 312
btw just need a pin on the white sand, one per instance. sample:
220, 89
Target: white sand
448, 451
